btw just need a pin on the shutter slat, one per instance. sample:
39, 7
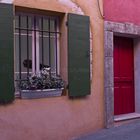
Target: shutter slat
6, 53
78, 55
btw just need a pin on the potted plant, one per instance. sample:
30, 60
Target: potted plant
41, 85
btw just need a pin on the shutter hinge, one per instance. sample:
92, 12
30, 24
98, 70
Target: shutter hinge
67, 87
66, 23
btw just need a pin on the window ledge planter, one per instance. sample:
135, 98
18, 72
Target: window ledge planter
41, 85
36, 94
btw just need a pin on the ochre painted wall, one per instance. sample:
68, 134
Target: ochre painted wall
61, 118
122, 11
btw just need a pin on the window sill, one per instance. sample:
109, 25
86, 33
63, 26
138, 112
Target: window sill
36, 94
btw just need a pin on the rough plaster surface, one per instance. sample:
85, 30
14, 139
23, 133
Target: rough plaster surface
122, 11
121, 29
47, 119
137, 73
128, 29
60, 118
108, 77
71, 4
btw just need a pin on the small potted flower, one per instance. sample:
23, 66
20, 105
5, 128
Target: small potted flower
41, 85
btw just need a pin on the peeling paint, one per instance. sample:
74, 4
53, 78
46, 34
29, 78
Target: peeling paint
77, 9
69, 3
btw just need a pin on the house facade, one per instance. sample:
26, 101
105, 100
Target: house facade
121, 59
67, 36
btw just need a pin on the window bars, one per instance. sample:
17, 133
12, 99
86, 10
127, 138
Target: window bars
36, 44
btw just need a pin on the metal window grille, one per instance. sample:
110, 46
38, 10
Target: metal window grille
36, 44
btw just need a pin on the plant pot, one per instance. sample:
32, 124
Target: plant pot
36, 94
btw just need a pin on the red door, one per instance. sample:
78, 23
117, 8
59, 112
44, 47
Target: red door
123, 76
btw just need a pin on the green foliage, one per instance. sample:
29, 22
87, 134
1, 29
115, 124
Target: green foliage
43, 80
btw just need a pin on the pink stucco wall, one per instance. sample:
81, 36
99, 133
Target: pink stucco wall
60, 118
122, 11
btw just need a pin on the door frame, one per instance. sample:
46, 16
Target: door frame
112, 29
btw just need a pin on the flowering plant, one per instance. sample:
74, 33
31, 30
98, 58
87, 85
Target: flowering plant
42, 80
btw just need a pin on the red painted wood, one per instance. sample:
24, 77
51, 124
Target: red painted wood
123, 76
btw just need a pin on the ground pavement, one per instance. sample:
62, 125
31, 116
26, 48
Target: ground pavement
129, 131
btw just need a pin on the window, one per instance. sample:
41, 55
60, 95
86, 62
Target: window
36, 44
37, 39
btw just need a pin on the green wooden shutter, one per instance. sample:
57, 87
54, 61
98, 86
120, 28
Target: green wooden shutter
78, 55
6, 53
